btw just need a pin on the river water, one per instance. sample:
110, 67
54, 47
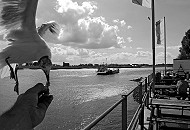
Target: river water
79, 96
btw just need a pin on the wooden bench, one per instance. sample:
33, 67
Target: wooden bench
170, 104
168, 120
167, 112
168, 81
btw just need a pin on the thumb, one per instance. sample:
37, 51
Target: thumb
44, 102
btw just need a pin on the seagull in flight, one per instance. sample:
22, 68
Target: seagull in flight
17, 23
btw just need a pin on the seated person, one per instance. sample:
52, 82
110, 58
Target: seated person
168, 77
182, 86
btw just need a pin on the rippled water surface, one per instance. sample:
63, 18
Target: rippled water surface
79, 96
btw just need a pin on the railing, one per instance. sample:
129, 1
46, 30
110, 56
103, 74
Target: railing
138, 119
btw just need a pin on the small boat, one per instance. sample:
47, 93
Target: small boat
104, 70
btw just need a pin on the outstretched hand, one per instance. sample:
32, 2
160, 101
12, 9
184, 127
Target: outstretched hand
29, 109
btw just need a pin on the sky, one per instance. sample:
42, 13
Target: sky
111, 31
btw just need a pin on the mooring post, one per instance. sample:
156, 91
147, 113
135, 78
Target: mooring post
124, 112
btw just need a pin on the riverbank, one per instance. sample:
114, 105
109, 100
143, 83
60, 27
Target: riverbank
89, 67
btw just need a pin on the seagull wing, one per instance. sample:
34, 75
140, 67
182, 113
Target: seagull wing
52, 26
17, 17
17, 23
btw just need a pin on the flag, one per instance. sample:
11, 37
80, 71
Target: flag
160, 31
145, 3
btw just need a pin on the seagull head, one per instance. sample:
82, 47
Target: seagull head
45, 64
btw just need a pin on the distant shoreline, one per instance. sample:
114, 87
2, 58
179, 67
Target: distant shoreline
85, 67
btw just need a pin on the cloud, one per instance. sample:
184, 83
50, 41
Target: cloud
127, 58
71, 11
174, 47
129, 27
160, 57
79, 55
139, 48
123, 23
78, 27
143, 54
129, 39
64, 50
168, 47
115, 20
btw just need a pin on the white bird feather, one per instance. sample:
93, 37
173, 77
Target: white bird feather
17, 23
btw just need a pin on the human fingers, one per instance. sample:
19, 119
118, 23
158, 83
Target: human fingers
44, 101
36, 89
40, 111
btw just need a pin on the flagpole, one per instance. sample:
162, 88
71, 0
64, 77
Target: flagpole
165, 43
153, 44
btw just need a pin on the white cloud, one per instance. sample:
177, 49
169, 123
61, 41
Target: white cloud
174, 47
160, 57
129, 39
71, 11
79, 55
168, 47
120, 23
79, 29
139, 48
116, 20
123, 23
143, 54
129, 27
128, 58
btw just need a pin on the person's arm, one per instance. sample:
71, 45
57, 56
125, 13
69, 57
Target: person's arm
28, 111
16, 118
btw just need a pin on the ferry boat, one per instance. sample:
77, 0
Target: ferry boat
104, 70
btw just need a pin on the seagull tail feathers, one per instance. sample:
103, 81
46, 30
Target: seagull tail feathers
11, 14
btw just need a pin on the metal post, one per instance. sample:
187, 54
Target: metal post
124, 112
153, 44
165, 43
141, 119
140, 93
150, 89
146, 91
146, 84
